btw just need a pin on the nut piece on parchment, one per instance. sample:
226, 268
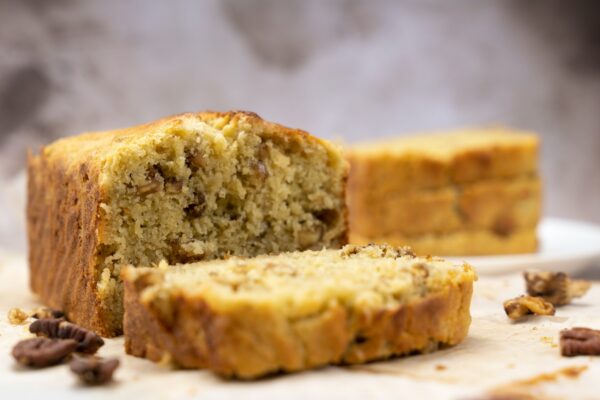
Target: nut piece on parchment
555, 287
579, 342
94, 370
16, 316
57, 328
45, 312
43, 352
522, 306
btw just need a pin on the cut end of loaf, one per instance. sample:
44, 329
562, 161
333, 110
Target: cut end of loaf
186, 188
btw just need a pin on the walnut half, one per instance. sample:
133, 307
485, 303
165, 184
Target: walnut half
555, 287
521, 306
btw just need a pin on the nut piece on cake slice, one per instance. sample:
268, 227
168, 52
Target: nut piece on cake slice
252, 317
189, 187
452, 193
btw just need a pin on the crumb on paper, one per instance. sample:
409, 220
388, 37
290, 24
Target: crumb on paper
549, 340
522, 389
441, 367
16, 316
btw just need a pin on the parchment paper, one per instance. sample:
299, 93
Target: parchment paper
496, 354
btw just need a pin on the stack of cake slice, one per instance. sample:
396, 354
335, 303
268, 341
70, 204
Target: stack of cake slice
456, 193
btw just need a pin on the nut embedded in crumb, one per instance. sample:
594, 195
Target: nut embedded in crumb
149, 188
521, 306
579, 342
16, 316
94, 370
173, 186
555, 287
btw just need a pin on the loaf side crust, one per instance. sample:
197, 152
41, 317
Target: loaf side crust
500, 205
255, 343
62, 223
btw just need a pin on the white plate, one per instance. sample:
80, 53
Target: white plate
565, 245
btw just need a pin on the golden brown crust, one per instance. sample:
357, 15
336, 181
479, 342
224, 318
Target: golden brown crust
439, 160
501, 206
62, 219
258, 342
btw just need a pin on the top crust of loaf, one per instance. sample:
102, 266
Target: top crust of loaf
439, 159
93, 147
446, 145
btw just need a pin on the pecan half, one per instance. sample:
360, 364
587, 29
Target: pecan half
579, 342
43, 352
94, 370
44, 312
555, 287
521, 306
57, 328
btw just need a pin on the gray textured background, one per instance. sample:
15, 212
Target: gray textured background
346, 70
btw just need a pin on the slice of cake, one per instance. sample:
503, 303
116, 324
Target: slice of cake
247, 318
186, 188
455, 193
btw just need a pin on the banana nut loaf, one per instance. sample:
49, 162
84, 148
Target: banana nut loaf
453, 193
190, 187
248, 318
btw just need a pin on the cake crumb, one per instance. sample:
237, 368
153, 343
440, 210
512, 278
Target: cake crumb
441, 367
549, 340
16, 316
